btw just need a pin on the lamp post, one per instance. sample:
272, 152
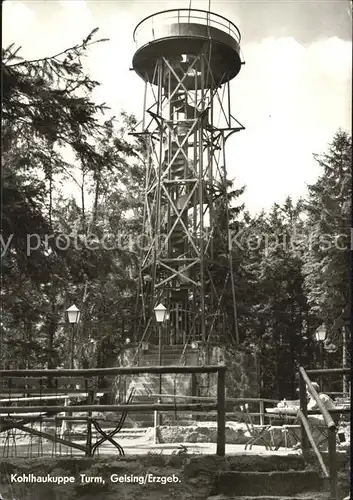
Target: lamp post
73, 315
345, 385
320, 336
161, 314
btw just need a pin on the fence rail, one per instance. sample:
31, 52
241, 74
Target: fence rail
123, 370
12, 409
260, 401
329, 371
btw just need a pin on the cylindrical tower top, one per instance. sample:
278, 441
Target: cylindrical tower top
176, 33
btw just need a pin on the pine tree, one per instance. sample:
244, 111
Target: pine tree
48, 111
327, 256
273, 311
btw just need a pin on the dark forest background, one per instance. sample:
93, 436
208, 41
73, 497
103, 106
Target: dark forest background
83, 251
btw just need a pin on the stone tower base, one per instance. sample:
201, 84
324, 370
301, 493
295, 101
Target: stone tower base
241, 379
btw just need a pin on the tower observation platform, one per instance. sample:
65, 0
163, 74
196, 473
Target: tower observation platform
177, 32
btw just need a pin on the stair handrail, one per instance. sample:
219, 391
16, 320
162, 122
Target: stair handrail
325, 413
305, 423
304, 385
142, 340
187, 342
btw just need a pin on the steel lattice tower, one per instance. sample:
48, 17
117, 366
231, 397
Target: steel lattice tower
186, 58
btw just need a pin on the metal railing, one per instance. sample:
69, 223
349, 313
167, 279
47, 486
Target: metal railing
305, 385
185, 16
260, 413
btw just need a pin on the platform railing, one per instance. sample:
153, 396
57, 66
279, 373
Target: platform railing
183, 16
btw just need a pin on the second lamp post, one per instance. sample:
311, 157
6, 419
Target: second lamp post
161, 314
73, 315
320, 336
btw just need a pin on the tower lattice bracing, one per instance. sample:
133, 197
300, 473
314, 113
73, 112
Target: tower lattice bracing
186, 59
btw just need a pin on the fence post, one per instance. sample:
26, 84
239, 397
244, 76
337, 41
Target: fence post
262, 413
64, 423
304, 409
332, 458
221, 412
155, 426
90, 401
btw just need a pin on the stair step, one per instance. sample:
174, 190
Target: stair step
138, 430
309, 496
268, 483
128, 431
128, 434
150, 353
171, 348
173, 357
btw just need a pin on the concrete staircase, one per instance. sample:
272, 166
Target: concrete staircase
272, 477
146, 384
171, 355
274, 485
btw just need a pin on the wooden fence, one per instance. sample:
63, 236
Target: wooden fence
27, 410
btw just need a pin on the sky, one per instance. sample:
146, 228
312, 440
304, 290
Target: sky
292, 94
